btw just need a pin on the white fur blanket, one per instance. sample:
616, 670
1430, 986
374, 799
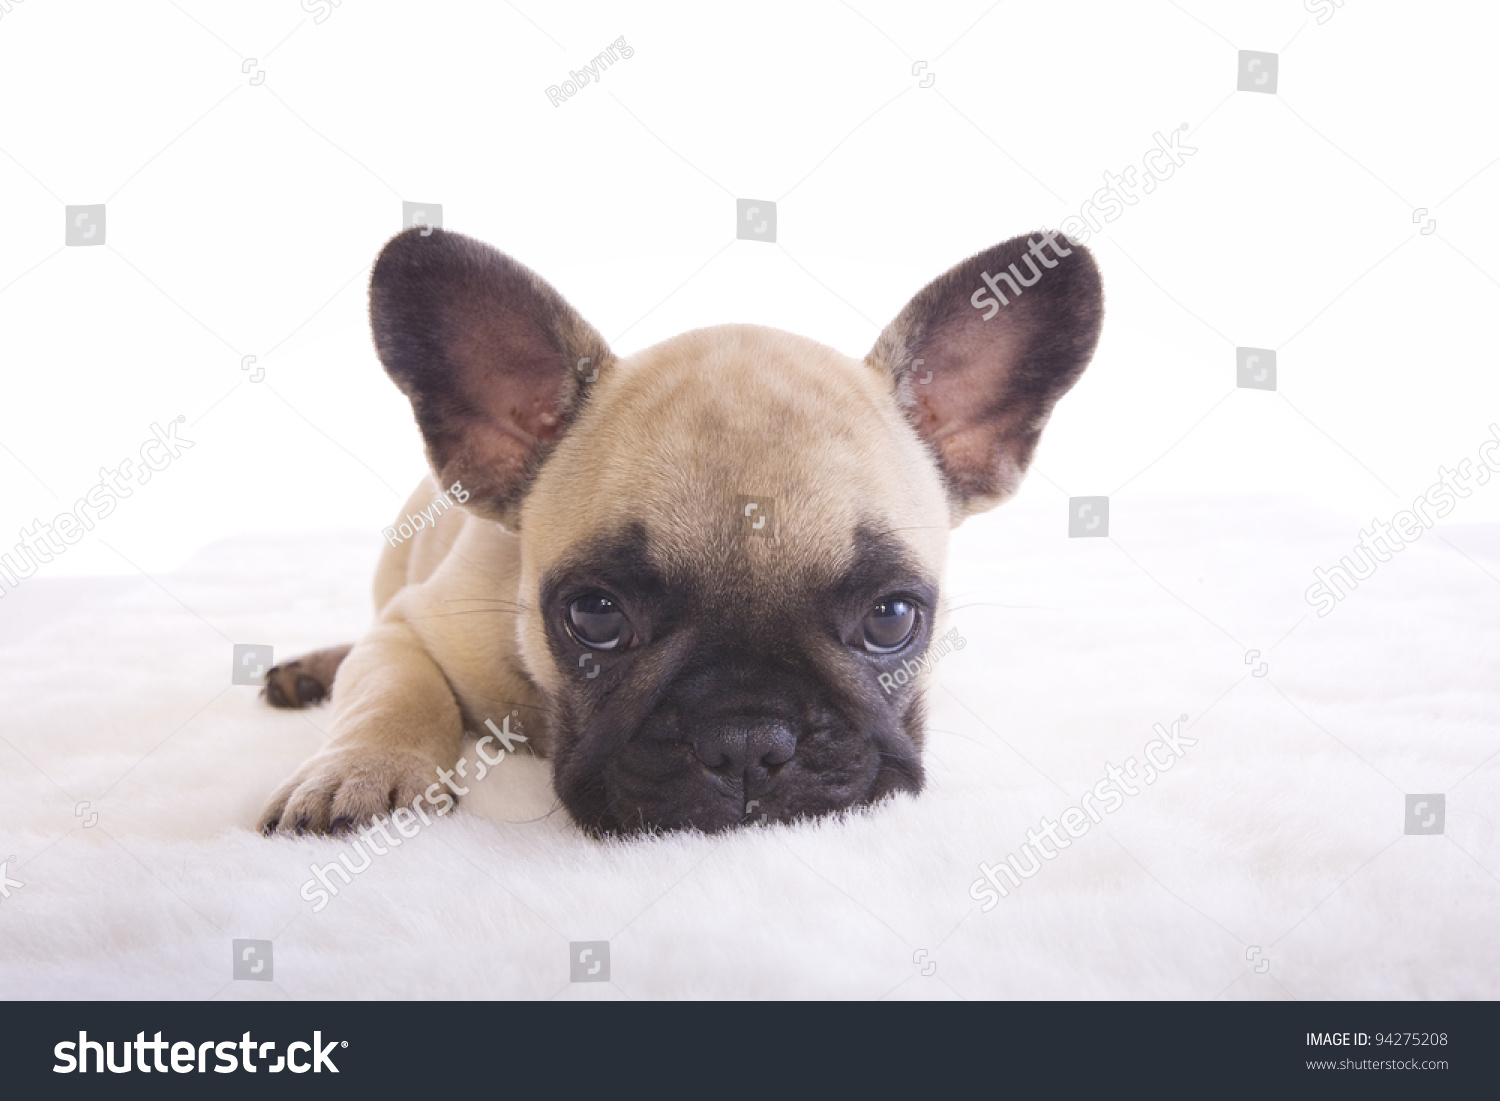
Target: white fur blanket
1271, 862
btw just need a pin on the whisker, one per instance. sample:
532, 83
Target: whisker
469, 611
483, 600
508, 703
988, 604
528, 821
915, 527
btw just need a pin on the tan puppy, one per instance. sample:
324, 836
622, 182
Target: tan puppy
693, 571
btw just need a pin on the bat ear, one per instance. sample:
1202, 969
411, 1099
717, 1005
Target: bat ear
496, 364
982, 353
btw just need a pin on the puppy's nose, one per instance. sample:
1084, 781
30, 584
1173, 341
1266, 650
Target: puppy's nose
738, 749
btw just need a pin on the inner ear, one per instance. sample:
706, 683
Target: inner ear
982, 353
494, 360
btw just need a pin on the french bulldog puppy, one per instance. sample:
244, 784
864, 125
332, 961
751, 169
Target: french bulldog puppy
687, 569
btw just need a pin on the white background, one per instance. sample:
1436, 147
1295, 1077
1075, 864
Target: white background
242, 220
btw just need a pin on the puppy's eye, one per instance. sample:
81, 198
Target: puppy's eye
597, 621
889, 625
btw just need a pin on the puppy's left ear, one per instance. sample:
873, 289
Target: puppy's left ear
496, 364
982, 353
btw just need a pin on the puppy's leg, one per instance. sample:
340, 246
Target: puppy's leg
395, 723
304, 681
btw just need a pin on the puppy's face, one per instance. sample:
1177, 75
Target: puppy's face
704, 670
733, 540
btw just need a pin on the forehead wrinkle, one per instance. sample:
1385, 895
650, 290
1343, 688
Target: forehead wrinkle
676, 432
783, 419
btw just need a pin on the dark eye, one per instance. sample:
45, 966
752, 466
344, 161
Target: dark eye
889, 625
597, 621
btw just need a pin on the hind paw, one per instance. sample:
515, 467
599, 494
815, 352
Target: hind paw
304, 681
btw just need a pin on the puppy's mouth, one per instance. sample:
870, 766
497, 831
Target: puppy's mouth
740, 774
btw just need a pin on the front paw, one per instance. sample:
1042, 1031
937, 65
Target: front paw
344, 789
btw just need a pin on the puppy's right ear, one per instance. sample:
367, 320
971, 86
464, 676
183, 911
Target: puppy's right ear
496, 364
978, 387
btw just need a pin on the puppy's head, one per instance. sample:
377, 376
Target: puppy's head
732, 543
